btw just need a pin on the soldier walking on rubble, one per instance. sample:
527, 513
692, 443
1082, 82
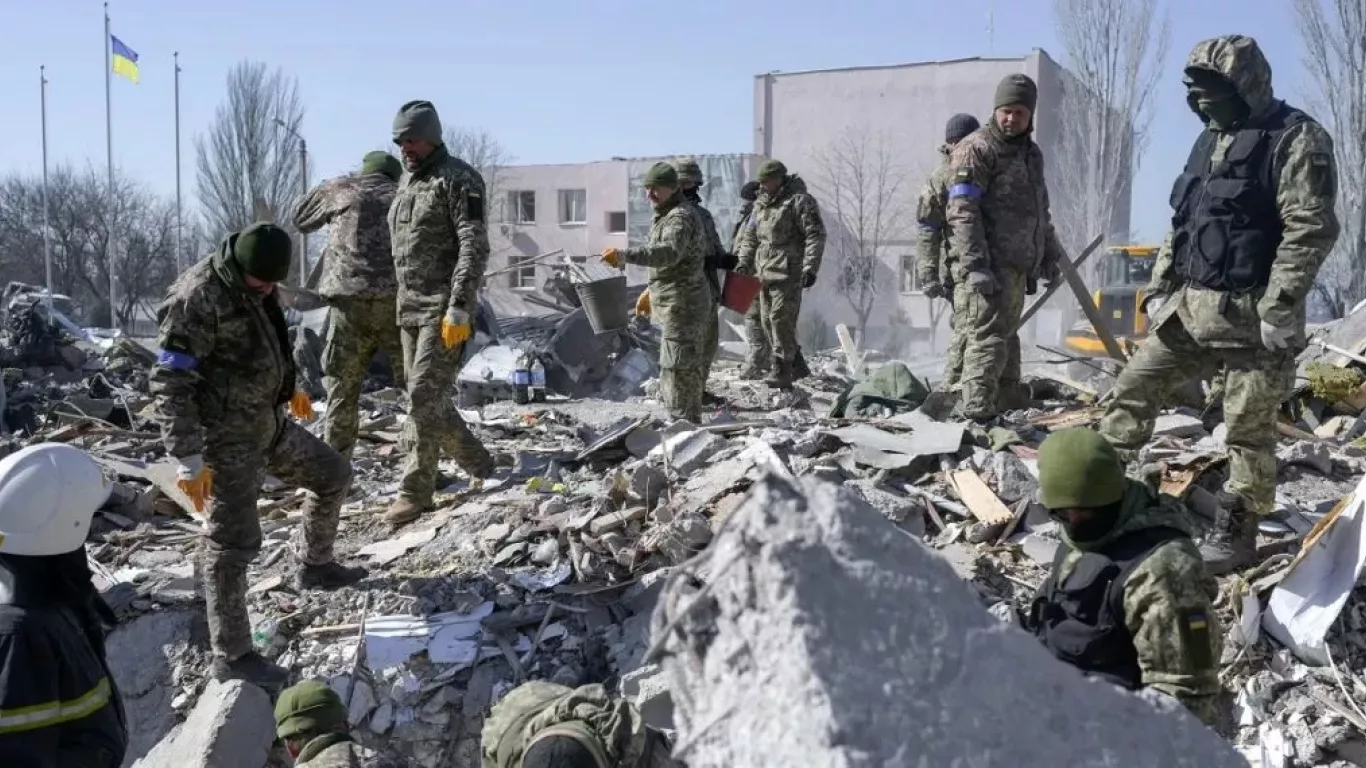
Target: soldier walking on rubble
678, 290
358, 283
221, 382
933, 258
439, 233
782, 245
1001, 242
1253, 219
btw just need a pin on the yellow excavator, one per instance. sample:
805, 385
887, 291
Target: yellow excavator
1125, 271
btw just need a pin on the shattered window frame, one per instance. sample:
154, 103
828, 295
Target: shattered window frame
613, 229
569, 200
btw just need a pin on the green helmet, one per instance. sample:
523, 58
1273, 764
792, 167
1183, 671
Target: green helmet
309, 708
689, 170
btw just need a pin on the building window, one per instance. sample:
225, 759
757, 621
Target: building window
908, 284
616, 222
524, 277
573, 206
521, 207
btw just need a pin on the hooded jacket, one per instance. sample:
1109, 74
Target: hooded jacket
784, 237
1305, 173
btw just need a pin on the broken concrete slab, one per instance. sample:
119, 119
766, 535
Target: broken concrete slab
142, 654
1177, 425
232, 726
850, 630
687, 452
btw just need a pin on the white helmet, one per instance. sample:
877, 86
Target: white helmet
48, 493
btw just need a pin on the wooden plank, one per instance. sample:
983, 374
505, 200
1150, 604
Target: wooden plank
1048, 291
1089, 308
980, 500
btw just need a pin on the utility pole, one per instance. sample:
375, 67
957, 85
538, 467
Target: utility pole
47, 227
179, 251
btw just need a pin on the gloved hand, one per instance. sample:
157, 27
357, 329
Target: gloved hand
808, 279
1275, 337
1049, 273
301, 406
982, 283
612, 257
195, 480
723, 260
1153, 302
455, 327
932, 290
643, 303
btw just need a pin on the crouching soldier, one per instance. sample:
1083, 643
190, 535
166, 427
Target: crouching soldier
1128, 599
311, 721
544, 725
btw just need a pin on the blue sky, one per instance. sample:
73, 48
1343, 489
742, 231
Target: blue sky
554, 81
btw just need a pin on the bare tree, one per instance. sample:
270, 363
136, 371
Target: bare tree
864, 193
480, 149
1116, 50
81, 215
1333, 33
247, 163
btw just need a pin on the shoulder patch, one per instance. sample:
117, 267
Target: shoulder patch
1195, 629
1320, 159
474, 206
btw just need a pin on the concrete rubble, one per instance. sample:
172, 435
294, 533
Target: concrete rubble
553, 569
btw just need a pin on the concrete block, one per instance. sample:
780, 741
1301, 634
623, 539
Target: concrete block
143, 654
830, 638
231, 726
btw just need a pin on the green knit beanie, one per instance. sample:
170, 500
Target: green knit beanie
381, 162
662, 175
309, 708
1017, 89
1079, 469
772, 169
417, 120
263, 251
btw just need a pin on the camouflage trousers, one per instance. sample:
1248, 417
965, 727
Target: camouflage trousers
760, 353
711, 340
953, 363
682, 377
358, 327
433, 424
232, 534
1256, 382
991, 344
780, 304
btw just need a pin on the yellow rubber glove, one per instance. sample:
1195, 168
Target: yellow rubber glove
612, 257
195, 480
301, 406
643, 303
454, 335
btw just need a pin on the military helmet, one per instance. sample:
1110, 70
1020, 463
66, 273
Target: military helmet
689, 170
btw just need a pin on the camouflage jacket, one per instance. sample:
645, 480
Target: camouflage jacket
336, 750
784, 237
357, 260
610, 728
931, 252
439, 233
1306, 196
673, 254
711, 244
1168, 605
741, 219
226, 365
998, 212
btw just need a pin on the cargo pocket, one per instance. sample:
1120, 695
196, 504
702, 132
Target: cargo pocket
669, 353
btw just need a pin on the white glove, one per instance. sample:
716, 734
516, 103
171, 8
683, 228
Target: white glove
456, 316
1153, 302
1275, 337
189, 467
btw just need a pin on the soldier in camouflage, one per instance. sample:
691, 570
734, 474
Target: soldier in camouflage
358, 284
439, 234
933, 258
1253, 219
757, 359
1001, 242
678, 290
782, 244
1128, 599
544, 725
715, 257
221, 382
311, 721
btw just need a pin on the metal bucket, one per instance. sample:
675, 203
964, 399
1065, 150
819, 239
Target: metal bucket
604, 303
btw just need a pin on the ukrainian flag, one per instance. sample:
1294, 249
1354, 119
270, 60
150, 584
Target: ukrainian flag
125, 59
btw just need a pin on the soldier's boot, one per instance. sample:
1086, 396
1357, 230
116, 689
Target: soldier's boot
781, 375
404, 510
1231, 544
253, 668
800, 369
331, 575
753, 370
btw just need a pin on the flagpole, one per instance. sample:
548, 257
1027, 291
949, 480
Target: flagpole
109, 152
178, 253
47, 229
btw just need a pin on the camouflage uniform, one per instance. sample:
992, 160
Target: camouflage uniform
757, 358
223, 375
934, 260
608, 727
681, 302
336, 750
712, 249
1001, 228
1201, 327
439, 234
359, 285
782, 245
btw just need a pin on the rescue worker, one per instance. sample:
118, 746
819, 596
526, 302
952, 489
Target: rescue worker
358, 283
1253, 219
438, 229
933, 262
544, 725
59, 707
312, 722
678, 291
1128, 599
782, 245
1001, 242
221, 382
